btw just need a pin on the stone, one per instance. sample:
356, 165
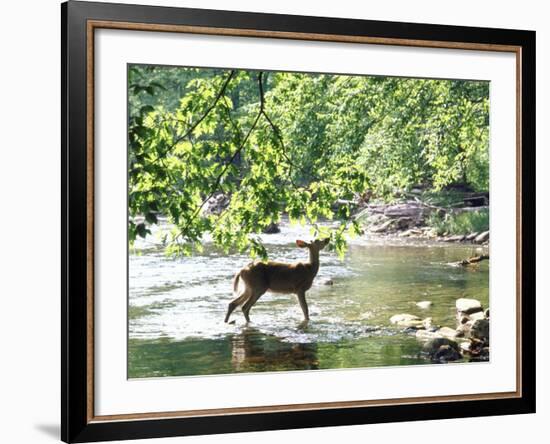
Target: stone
384, 226
487, 313
442, 350
480, 330
482, 237
425, 335
407, 320
372, 328
456, 238
470, 237
468, 306
447, 332
465, 329
403, 222
446, 353
411, 232
374, 219
465, 347
477, 315
272, 228
484, 355
403, 317
328, 282
424, 304
427, 323
216, 204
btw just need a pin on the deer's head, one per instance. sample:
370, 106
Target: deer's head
314, 246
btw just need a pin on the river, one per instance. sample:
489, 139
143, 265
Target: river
177, 306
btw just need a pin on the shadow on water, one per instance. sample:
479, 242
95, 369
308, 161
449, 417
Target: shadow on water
247, 351
253, 351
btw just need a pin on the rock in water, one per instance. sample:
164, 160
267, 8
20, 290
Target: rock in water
468, 306
442, 350
465, 329
407, 320
482, 237
477, 315
424, 335
446, 353
480, 330
448, 333
272, 228
424, 304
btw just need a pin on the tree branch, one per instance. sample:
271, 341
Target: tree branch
208, 110
218, 180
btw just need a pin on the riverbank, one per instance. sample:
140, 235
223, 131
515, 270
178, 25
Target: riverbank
464, 218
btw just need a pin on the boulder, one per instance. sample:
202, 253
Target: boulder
425, 335
470, 237
484, 355
272, 228
384, 226
446, 353
407, 320
403, 223
482, 237
480, 330
477, 315
442, 350
456, 238
465, 329
448, 333
216, 204
424, 304
468, 306
427, 324
375, 219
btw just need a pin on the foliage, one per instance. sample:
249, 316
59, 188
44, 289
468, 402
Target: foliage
461, 223
290, 143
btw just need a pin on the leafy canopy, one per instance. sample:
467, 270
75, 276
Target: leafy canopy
300, 144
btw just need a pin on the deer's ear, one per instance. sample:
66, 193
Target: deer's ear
301, 243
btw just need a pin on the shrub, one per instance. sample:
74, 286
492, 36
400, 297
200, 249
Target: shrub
461, 223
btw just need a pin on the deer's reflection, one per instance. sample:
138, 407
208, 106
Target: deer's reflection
252, 350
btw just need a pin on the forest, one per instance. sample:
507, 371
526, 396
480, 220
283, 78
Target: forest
307, 146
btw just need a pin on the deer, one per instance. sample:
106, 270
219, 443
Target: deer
277, 277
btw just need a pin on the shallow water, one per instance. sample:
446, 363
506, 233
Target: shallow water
177, 306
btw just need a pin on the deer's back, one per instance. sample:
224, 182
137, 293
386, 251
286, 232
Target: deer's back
279, 277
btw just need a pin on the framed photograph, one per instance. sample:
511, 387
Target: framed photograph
275, 221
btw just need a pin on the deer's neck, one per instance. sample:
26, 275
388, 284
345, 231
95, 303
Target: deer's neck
314, 262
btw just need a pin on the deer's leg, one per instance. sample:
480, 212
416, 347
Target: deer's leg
235, 303
251, 301
303, 304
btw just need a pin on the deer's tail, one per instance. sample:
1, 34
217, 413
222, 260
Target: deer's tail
236, 281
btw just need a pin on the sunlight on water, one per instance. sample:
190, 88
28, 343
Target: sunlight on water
177, 307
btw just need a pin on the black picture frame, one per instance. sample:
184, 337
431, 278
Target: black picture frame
76, 423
